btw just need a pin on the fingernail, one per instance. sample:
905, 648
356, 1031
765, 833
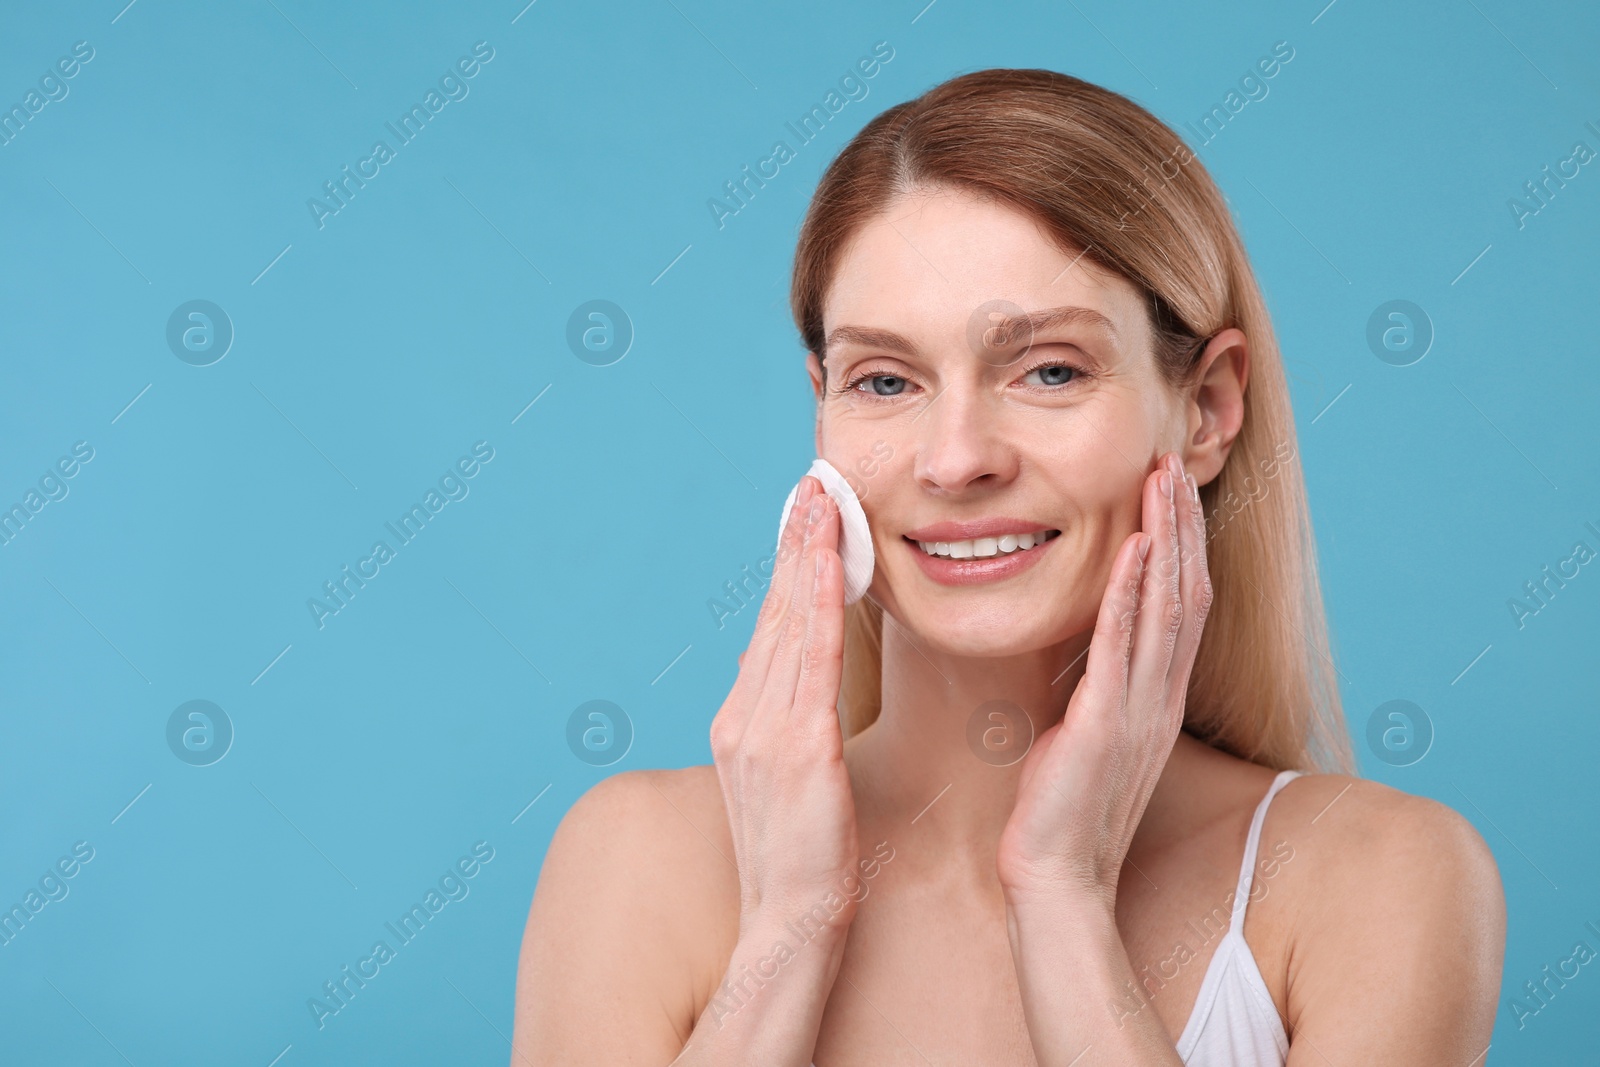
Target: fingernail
1144, 547
1194, 487
814, 512
1166, 484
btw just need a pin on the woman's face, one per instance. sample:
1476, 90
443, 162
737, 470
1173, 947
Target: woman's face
1053, 430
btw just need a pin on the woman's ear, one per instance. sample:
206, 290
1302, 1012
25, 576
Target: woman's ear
1215, 410
815, 369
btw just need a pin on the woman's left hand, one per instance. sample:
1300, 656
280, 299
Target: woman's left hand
1085, 784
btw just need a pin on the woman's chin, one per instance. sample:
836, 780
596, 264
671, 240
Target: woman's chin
992, 633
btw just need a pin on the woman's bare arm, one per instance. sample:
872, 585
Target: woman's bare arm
1396, 955
601, 962
1086, 783
606, 959
1396, 950
621, 912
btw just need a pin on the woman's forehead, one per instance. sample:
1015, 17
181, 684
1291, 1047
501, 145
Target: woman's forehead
931, 260
912, 313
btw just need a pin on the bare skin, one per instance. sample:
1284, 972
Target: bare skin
980, 913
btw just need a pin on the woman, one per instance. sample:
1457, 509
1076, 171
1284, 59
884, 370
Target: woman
1055, 825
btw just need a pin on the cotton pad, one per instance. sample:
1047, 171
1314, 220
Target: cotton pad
855, 540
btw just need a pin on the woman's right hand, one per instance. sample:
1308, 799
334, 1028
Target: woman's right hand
776, 740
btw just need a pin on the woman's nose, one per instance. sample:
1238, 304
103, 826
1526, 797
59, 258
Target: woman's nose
961, 443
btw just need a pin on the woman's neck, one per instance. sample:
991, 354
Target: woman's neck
935, 783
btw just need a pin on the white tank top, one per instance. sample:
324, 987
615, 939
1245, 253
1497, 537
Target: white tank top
1234, 1022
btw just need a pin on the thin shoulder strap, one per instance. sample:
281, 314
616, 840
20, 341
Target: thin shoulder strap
1247, 869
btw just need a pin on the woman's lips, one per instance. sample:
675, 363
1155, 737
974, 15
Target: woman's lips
973, 571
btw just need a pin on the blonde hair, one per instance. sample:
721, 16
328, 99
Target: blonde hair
1107, 178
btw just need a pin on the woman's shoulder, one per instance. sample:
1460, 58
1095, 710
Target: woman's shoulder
1394, 905
647, 796
1351, 832
637, 896
1361, 833
661, 829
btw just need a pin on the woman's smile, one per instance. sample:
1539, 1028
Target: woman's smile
987, 550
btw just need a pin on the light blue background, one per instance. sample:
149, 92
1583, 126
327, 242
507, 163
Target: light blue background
429, 312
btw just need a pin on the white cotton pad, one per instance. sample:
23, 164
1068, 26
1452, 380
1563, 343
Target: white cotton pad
855, 540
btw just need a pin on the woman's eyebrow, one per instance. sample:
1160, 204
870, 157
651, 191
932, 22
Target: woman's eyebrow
1040, 321
869, 337
1025, 325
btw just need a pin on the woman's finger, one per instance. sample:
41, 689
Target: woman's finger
775, 604
816, 699
783, 674
1160, 606
1195, 583
1105, 676
728, 726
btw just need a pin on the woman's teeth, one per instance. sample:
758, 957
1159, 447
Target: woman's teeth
987, 547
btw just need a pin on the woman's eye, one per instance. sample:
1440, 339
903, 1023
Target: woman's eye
890, 385
1053, 374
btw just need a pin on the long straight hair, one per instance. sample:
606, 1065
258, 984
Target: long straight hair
1109, 180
